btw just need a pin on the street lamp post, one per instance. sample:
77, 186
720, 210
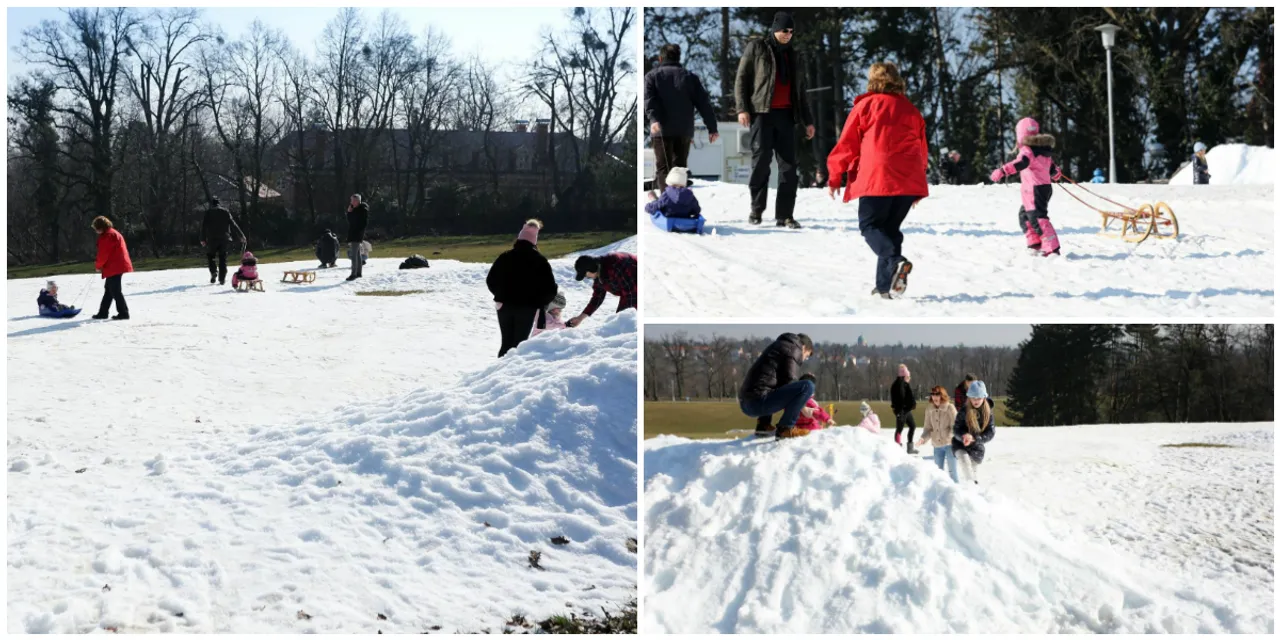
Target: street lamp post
1109, 40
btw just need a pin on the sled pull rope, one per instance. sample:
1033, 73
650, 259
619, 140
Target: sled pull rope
1063, 176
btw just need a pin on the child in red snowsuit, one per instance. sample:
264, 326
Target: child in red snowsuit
817, 418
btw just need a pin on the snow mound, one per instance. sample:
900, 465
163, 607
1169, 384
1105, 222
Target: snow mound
625, 245
842, 532
1234, 164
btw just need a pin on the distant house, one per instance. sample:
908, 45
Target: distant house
520, 161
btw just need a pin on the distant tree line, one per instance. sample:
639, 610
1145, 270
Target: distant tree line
142, 115
678, 367
1108, 374
1181, 74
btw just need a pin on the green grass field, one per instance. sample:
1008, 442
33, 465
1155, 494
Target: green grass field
714, 419
462, 248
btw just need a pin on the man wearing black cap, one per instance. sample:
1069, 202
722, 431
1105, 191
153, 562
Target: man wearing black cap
613, 273
773, 384
671, 95
771, 100
215, 233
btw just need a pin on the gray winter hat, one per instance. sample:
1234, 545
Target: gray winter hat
52, 284
558, 303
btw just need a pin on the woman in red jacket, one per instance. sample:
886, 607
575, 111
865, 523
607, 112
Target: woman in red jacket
113, 262
884, 154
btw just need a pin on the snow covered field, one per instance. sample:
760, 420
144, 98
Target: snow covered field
969, 258
307, 460
1074, 529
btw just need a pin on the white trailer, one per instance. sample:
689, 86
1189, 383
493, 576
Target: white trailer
728, 159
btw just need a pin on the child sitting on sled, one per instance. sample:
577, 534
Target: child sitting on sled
813, 417
549, 318
870, 421
248, 269
1036, 168
677, 200
49, 306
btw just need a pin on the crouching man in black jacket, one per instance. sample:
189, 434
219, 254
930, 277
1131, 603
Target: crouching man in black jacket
773, 384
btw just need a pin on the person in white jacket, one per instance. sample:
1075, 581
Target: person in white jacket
939, 419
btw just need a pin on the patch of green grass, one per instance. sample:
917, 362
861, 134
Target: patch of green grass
622, 622
483, 249
1202, 445
713, 419
388, 293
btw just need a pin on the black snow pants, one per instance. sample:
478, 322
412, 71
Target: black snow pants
217, 249
880, 221
905, 419
668, 153
515, 323
773, 133
113, 293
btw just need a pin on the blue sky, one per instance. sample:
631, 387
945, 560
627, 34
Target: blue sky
498, 35
938, 335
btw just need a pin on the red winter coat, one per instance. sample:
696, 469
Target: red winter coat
883, 149
113, 254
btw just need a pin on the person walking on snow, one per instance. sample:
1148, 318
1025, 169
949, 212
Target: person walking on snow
1035, 167
671, 95
613, 273
357, 221
1200, 164
939, 420
215, 233
770, 98
973, 429
112, 262
870, 421
677, 200
883, 155
903, 401
773, 384
522, 284
813, 417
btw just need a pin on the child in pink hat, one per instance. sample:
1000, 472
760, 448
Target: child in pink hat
1037, 171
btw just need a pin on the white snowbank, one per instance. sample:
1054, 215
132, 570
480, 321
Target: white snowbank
842, 532
1233, 164
625, 245
225, 460
969, 257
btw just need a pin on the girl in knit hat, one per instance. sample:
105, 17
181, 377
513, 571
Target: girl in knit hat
903, 401
870, 421
1037, 171
522, 285
248, 269
973, 429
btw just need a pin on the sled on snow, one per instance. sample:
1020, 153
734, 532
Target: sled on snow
250, 285
1129, 224
298, 277
679, 225
69, 312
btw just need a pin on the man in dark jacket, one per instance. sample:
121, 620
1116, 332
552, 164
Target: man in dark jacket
903, 401
522, 283
357, 220
955, 170
773, 384
215, 233
770, 98
327, 250
671, 95
613, 273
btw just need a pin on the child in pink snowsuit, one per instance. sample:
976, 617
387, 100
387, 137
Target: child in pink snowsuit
1036, 168
248, 269
818, 418
870, 421
548, 319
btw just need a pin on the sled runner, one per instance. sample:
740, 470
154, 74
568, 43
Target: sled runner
69, 312
1131, 225
250, 285
295, 277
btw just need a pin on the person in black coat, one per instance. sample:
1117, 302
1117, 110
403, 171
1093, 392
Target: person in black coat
215, 233
903, 401
327, 250
671, 95
773, 384
975, 426
357, 220
522, 283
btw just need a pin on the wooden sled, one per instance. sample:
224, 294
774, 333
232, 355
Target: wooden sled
250, 285
1137, 225
297, 277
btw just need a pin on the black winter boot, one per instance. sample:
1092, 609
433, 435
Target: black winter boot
755, 217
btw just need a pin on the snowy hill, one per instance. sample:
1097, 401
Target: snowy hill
1234, 164
225, 461
1074, 529
969, 258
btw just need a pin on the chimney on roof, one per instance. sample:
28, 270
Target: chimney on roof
541, 128
522, 126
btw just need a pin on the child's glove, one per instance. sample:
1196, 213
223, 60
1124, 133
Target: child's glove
997, 175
